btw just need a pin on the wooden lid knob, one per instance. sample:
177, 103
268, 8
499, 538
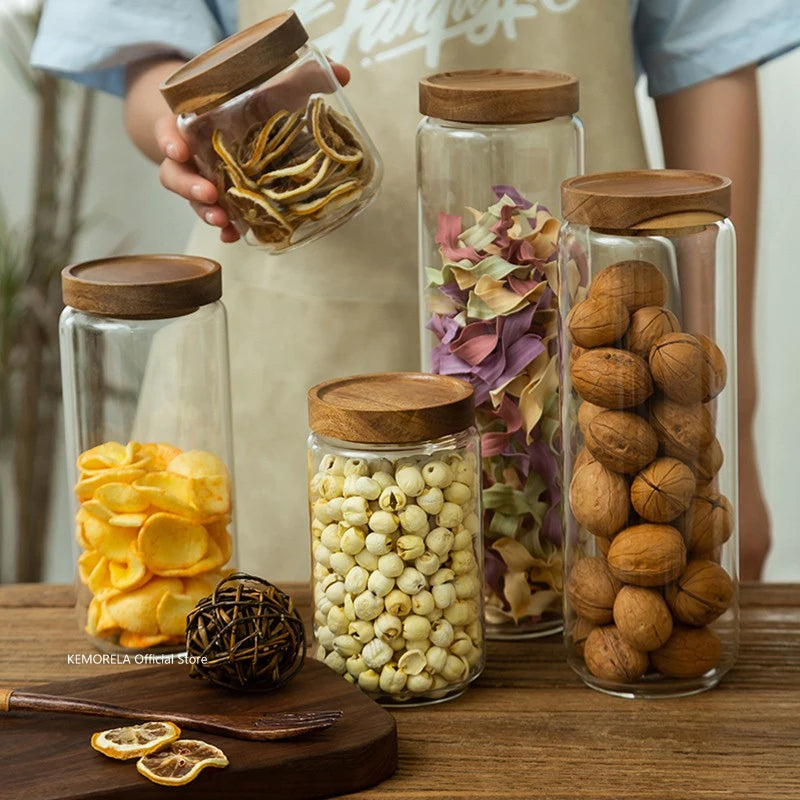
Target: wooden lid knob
499, 96
142, 286
646, 200
391, 407
235, 64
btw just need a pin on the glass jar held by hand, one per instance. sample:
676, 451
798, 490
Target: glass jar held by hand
270, 126
144, 361
394, 494
492, 151
648, 300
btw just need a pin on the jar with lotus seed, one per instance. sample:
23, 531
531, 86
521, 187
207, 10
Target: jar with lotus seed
395, 517
492, 150
648, 345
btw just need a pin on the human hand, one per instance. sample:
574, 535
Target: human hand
179, 174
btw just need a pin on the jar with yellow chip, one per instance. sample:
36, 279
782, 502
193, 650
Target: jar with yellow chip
144, 360
268, 124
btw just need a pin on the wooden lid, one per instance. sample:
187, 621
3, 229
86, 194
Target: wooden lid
235, 64
646, 200
391, 407
142, 286
499, 96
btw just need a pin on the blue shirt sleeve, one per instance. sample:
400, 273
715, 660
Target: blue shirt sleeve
680, 43
93, 41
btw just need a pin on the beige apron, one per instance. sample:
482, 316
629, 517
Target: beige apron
348, 304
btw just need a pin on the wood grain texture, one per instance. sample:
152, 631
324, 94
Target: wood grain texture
528, 728
498, 96
52, 757
142, 286
391, 407
646, 201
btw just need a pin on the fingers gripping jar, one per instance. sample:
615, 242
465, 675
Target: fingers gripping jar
648, 278
492, 151
396, 536
144, 359
269, 125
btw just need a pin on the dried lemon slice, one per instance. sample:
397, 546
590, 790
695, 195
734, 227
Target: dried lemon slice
229, 163
286, 188
135, 741
332, 135
180, 762
255, 141
256, 209
343, 192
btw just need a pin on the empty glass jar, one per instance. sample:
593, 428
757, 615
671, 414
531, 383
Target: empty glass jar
144, 358
492, 151
648, 304
269, 124
395, 534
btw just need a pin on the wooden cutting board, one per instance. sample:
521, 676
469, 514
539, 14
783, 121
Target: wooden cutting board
48, 756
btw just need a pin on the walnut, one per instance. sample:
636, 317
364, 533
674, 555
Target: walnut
684, 431
612, 658
677, 362
591, 590
578, 633
575, 352
612, 378
597, 321
599, 499
688, 653
708, 462
715, 370
621, 440
701, 594
642, 617
708, 522
663, 490
647, 555
635, 283
586, 412
646, 325
583, 458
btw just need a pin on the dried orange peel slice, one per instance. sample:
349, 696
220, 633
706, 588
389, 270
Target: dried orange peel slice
333, 136
180, 762
135, 741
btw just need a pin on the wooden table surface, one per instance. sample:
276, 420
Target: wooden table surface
528, 728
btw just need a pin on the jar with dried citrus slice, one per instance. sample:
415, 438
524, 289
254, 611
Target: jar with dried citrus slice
269, 124
180, 762
148, 432
135, 741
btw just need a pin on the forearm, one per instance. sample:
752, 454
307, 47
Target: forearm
144, 103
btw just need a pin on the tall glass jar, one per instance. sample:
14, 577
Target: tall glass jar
144, 360
648, 305
268, 123
492, 151
393, 464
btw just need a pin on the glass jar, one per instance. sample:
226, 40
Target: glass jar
491, 154
144, 361
396, 535
269, 125
648, 305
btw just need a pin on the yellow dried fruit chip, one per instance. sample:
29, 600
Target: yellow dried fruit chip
97, 509
86, 563
169, 492
111, 540
211, 496
99, 581
212, 560
138, 641
80, 533
218, 531
198, 587
135, 741
168, 542
87, 486
121, 498
129, 574
158, 455
98, 621
128, 520
136, 610
108, 454
172, 611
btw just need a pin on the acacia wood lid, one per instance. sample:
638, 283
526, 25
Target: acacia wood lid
235, 64
391, 407
646, 200
142, 286
499, 96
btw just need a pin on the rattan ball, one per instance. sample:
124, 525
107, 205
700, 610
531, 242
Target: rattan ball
246, 635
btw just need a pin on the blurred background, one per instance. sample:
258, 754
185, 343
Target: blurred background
72, 187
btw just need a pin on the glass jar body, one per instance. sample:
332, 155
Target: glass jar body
397, 561
290, 158
488, 297
149, 461
650, 457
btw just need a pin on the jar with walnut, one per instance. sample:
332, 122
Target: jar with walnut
648, 406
